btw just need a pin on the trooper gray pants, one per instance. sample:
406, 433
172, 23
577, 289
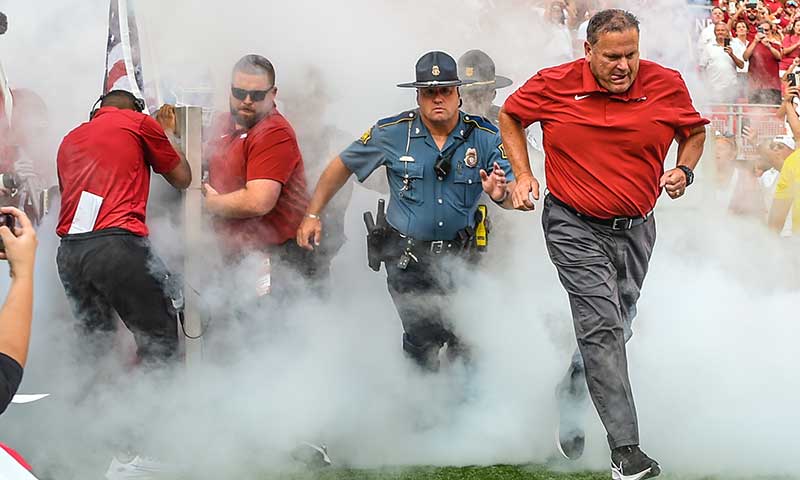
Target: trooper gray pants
602, 271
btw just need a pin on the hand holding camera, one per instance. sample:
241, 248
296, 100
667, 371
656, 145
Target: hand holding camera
18, 242
791, 93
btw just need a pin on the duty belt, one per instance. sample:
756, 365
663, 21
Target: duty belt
616, 223
430, 247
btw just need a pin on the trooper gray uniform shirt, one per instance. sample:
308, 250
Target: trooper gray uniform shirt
423, 205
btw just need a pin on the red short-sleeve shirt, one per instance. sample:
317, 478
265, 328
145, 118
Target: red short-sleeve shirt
269, 151
764, 68
110, 157
604, 153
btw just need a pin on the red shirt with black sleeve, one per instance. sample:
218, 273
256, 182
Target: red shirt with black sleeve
110, 157
269, 151
604, 152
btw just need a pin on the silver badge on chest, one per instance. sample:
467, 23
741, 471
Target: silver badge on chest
471, 157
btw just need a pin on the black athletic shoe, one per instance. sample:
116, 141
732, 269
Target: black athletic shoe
570, 440
630, 463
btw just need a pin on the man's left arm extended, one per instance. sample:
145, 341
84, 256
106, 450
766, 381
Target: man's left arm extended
257, 198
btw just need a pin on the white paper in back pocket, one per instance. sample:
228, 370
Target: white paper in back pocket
86, 213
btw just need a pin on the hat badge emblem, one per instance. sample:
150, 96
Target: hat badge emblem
435, 70
470, 71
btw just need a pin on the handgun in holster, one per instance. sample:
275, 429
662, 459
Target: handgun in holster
377, 236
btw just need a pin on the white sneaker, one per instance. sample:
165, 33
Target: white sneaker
138, 468
313, 456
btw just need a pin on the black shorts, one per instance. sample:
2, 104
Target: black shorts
111, 271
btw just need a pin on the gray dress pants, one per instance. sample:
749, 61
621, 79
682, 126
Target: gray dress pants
602, 271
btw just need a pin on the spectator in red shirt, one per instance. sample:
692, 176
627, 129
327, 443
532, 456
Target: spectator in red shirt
598, 217
791, 47
788, 16
764, 55
257, 186
750, 16
105, 260
774, 6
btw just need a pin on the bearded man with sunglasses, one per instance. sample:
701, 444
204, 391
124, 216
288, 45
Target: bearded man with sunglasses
438, 162
256, 188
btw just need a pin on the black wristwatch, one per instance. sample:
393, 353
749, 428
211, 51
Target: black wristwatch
689, 174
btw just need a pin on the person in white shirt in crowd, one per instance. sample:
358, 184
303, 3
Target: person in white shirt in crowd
707, 35
739, 44
720, 62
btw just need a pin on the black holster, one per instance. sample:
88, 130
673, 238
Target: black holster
378, 232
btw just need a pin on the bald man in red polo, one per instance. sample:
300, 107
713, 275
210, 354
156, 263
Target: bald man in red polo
608, 121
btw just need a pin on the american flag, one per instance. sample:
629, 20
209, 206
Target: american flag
123, 58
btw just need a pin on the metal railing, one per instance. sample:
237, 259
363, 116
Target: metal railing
730, 119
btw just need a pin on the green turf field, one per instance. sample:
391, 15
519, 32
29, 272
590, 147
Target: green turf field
499, 472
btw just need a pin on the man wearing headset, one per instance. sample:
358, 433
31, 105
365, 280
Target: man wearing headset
105, 260
438, 161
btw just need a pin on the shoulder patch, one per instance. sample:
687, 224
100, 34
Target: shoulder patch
367, 135
481, 123
403, 117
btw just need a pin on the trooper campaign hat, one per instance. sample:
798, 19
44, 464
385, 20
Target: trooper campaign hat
477, 66
436, 69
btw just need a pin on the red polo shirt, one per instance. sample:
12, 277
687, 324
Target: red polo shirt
604, 153
268, 150
110, 156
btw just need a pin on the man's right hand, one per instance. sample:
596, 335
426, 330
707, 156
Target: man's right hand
309, 233
20, 246
525, 188
166, 117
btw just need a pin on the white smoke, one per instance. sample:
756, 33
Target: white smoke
711, 359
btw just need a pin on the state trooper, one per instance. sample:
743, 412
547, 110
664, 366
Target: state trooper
438, 161
479, 95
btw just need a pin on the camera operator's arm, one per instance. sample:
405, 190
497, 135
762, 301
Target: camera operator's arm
17, 312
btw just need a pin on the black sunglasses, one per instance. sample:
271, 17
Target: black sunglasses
255, 95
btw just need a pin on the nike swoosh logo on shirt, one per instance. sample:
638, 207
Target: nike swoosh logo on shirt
581, 97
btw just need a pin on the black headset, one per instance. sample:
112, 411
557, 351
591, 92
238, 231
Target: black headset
138, 103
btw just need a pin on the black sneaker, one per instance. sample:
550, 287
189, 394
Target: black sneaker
630, 463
